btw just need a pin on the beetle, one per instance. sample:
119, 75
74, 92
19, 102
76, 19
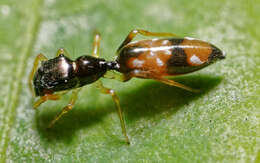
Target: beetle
149, 59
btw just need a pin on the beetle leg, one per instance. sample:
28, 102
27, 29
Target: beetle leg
117, 76
40, 57
62, 51
96, 45
45, 98
119, 110
67, 108
176, 84
143, 74
134, 32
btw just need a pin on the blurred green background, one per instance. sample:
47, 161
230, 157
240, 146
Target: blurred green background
165, 124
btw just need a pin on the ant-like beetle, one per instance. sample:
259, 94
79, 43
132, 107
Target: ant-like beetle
149, 59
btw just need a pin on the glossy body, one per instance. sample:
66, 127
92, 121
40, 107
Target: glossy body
61, 73
166, 57
149, 59
54, 75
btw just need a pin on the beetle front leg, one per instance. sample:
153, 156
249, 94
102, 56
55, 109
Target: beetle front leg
40, 57
67, 108
46, 98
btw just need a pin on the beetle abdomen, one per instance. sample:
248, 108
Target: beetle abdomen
167, 56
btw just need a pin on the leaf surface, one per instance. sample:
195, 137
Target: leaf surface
164, 123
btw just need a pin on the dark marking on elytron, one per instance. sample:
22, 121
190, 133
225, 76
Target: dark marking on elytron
176, 41
178, 58
178, 64
124, 55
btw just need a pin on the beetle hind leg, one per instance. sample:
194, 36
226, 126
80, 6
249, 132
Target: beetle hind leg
149, 75
176, 84
134, 33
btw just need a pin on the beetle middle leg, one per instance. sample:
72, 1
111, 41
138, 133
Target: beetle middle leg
40, 57
109, 74
117, 76
67, 108
149, 75
119, 110
134, 32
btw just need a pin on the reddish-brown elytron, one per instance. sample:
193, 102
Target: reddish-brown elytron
151, 59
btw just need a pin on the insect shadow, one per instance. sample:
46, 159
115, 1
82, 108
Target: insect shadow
150, 99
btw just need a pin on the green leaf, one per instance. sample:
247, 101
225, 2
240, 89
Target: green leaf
222, 123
